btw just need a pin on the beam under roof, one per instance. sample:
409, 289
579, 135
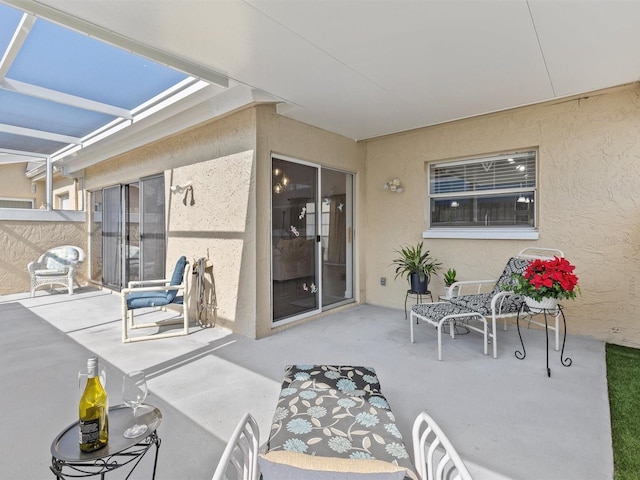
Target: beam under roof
64, 98
30, 132
19, 36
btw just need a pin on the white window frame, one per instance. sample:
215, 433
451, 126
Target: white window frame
21, 200
487, 232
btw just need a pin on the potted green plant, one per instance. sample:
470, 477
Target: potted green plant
417, 266
449, 279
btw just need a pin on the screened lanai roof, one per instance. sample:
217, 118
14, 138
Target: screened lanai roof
61, 90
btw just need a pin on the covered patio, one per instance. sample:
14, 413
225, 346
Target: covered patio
505, 416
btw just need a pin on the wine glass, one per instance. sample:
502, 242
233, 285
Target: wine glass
134, 391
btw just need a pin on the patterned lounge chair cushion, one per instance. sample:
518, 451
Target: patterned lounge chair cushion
337, 412
481, 303
514, 265
439, 310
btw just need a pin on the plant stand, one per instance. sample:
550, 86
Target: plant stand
556, 312
418, 296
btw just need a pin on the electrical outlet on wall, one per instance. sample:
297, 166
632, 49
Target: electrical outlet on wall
383, 281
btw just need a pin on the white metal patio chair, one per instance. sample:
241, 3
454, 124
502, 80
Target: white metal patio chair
157, 293
500, 303
57, 266
239, 459
434, 455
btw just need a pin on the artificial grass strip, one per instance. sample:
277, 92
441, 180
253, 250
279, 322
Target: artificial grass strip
623, 377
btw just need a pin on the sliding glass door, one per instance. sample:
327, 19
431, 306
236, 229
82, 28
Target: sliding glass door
112, 237
152, 227
133, 238
337, 237
311, 238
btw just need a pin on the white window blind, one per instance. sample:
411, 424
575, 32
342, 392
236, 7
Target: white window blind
494, 192
515, 171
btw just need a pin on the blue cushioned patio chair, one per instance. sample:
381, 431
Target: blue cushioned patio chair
499, 302
157, 293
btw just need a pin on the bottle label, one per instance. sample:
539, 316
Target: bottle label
89, 431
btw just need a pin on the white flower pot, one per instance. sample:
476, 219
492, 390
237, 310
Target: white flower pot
547, 303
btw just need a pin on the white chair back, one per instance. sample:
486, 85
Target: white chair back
241, 453
434, 455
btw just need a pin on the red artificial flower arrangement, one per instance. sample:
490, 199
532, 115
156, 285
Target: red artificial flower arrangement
547, 278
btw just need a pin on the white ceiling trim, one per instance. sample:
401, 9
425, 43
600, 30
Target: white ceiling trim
30, 132
63, 98
19, 36
9, 156
197, 108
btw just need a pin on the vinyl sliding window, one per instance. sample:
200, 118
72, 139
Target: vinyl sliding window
483, 197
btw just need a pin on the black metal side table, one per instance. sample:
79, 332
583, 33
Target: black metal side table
554, 312
67, 461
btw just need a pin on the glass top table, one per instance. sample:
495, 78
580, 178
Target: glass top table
67, 461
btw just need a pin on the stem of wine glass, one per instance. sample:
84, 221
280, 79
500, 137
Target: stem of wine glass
135, 418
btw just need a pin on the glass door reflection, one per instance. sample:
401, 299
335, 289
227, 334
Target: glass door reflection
336, 237
294, 239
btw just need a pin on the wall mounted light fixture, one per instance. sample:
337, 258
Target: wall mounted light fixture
181, 188
394, 186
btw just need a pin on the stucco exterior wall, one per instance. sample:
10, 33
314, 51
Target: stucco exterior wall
588, 202
228, 162
219, 159
280, 135
23, 242
14, 184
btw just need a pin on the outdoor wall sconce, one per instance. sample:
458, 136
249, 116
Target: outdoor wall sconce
181, 188
394, 186
187, 189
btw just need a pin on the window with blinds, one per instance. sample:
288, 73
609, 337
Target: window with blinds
488, 192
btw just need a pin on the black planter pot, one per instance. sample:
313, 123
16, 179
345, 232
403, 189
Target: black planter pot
418, 286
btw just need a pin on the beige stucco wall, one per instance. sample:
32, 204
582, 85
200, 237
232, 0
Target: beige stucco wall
228, 162
23, 242
14, 184
589, 165
65, 186
25, 234
280, 135
588, 200
219, 159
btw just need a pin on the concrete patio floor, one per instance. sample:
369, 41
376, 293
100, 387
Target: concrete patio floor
507, 419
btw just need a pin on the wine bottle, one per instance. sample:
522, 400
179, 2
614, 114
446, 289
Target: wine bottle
93, 411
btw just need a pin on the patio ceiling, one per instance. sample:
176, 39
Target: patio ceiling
61, 90
358, 68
